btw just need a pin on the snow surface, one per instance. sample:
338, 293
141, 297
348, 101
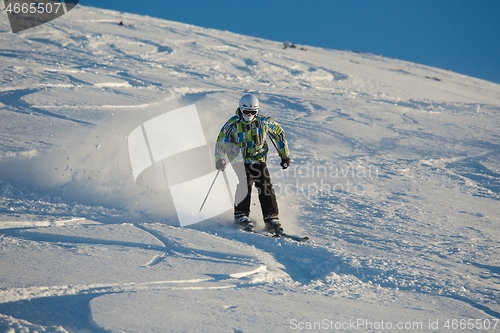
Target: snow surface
395, 177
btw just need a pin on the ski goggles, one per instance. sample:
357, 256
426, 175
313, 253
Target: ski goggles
249, 112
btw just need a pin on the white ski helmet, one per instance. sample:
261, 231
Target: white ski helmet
249, 106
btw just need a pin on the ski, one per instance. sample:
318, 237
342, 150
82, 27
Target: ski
296, 238
266, 233
271, 234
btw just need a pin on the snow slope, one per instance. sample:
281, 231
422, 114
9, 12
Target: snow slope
395, 178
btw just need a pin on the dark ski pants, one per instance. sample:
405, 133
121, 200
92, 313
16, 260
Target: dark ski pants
258, 174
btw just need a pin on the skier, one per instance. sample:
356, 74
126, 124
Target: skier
245, 133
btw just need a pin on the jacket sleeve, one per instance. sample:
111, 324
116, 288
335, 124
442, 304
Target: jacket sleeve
277, 135
224, 140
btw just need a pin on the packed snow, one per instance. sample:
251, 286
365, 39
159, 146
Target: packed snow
395, 178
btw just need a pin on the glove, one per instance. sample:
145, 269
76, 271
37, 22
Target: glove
220, 165
285, 162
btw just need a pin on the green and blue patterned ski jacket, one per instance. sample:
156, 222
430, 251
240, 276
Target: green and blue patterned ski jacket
249, 138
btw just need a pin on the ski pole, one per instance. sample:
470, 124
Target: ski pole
210, 189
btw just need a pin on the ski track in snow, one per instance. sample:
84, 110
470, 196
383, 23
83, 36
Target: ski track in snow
421, 143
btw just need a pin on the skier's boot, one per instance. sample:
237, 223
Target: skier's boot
274, 225
245, 223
